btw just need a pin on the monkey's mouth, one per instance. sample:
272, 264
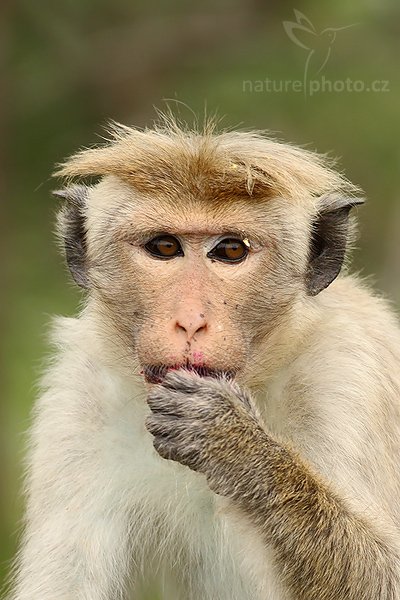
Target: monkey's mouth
156, 373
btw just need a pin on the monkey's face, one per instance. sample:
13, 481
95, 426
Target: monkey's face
193, 282
203, 250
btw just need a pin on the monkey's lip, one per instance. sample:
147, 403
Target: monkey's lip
156, 373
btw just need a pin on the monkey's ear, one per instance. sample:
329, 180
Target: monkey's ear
328, 241
71, 229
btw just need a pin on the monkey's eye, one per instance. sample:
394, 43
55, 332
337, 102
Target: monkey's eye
229, 250
164, 246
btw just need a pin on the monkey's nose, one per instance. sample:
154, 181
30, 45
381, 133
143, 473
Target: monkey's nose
190, 325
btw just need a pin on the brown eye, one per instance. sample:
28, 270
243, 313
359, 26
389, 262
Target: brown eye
229, 250
164, 246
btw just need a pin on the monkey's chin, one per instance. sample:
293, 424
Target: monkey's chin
156, 373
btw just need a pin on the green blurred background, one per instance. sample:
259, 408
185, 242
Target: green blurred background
67, 67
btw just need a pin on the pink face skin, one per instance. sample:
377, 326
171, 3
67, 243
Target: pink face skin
190, 307
198, 357
195, 311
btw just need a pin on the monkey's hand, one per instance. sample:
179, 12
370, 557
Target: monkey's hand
210, 425
323, 548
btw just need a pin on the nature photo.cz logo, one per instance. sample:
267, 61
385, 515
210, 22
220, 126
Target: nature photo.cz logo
318, 45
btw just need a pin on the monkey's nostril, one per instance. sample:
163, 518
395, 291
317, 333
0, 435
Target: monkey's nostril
191, 328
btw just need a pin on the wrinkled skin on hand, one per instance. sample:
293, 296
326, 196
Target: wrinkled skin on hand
210, 425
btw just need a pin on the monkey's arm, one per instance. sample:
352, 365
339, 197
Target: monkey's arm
326, 551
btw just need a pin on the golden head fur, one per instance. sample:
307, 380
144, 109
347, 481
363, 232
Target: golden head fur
173, 159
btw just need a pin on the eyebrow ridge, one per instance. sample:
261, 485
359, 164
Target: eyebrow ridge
142, 235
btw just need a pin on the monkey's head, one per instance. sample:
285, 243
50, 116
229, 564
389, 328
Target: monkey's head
202, 249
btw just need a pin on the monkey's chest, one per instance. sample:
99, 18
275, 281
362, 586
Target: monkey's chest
190, 544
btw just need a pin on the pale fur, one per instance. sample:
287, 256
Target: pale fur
106, 512
104, 467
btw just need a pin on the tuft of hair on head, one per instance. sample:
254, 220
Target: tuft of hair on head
173, 158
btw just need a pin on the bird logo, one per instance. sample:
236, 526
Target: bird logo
318, 43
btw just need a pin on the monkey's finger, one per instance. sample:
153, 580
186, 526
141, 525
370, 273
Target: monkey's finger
184, 431
206, 392
186, 455
163, 402
159, 425
188, 382
168, 449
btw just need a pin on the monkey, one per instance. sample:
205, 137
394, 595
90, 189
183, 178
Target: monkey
222, 418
